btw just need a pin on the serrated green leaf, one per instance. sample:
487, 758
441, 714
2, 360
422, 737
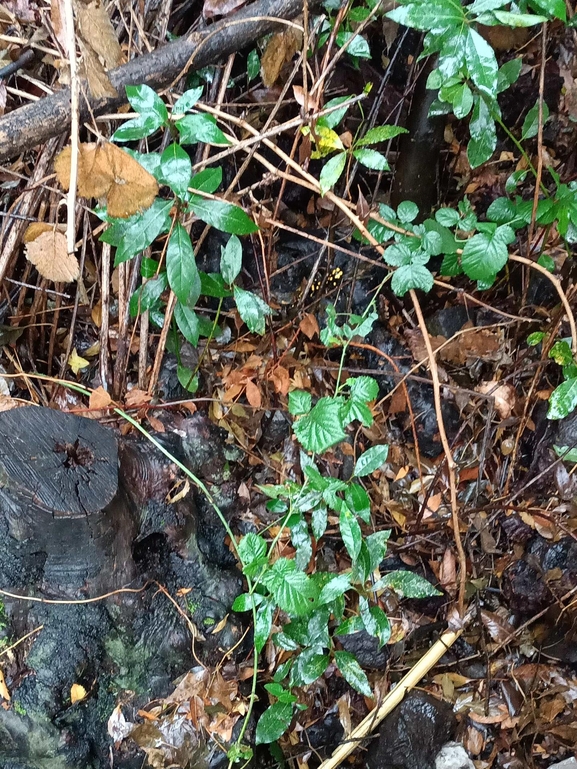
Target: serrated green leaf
447, 217
357, 46
535, 338
224, 216
252, 551
181, 268
187, 100
263, 625
380, 134
408, 584
563, 399
319, 519
301, 541
350, 533
331, 172
485, 254
336, 587
371, 460
247, 601
252, 309
309, 665
231, 259
273, 723
299, 402
363, 388
188, 323
353, 673
291, 588
411, 276
200, 128
407, 211
372, 159
322, 427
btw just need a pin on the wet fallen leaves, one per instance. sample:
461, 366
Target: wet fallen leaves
106, 171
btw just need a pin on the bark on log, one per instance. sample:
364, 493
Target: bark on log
35, 123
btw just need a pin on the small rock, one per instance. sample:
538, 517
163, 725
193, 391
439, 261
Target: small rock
453, 756
448, 321
568, 763
413, 734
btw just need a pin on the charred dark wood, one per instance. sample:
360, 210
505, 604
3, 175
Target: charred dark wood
60, 502
417, 168
33, 124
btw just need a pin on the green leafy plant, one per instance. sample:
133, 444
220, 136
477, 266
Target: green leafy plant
192, 195
313, 606
467, 75
328, 141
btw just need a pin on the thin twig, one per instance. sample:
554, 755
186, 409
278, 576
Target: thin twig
396, 696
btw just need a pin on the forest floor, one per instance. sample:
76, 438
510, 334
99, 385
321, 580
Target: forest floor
483, 508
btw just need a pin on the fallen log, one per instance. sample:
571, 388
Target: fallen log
35, 123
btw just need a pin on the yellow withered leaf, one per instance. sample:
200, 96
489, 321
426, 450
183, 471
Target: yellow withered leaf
77, 362
105, 170
49, 254
77, 693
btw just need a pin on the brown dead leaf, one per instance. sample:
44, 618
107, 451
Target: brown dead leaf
99, 46
253, 394
498, 628
93, 72
49, 254
105, 170
448, 572
280, 378
309, 325
58, 19
474, 741
99, 399
280, 49
156, 424
95, 28
478, 343
135, 398
504, 395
